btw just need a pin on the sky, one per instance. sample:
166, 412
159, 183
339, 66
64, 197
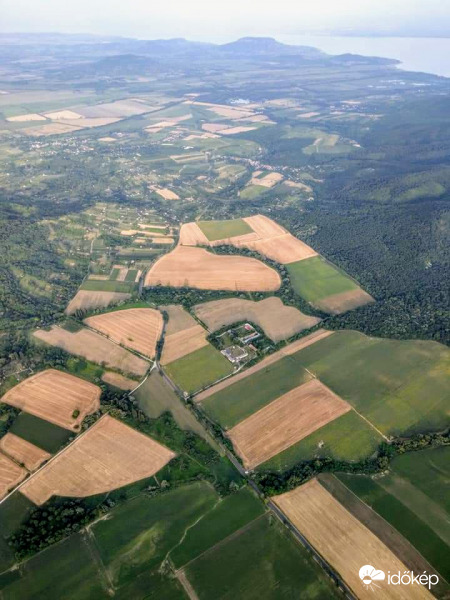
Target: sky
220, 20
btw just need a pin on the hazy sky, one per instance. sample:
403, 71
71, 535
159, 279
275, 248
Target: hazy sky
217, 20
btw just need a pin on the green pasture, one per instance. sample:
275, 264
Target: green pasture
261, 562
219, 230
199, 369
41, 433
315, 279
99, 285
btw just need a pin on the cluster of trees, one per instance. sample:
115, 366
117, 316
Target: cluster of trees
275, 483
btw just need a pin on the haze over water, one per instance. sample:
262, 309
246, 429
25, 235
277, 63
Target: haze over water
429, 55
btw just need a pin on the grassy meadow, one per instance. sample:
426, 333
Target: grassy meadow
218, 230
199, 369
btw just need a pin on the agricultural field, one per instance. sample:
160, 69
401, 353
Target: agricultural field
11, 474
94, 347
40, 432
135, 328
325, 286
155, 397
285, 421
401, 387
108, 456
412, 497
248, 565
372, 376
279, 322
24, 453
183, 334
85, 300
343, 541
199, 369
195, 267
118, 381
257, 233
55, 396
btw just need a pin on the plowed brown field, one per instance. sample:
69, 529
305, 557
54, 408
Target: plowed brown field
268, 238
278, 321
54, 396
197, 268
339, 303
119, 381
94, 347
108, 456
10, 475
183, 342
345, 543
23, 452
86, 299
136, 328
286, 421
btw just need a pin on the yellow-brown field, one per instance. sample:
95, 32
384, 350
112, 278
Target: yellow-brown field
54, 128
54, 396
118, 381
183, 342
268, 180
136, 328
94, 347
197, 268
23, 452
233, 130
279, 322
339, 303
25, 118
285, 421
286, 351
63, 114
179, 318
10, 475
167, 194
344, 542
268, 238
108, 456
87, 299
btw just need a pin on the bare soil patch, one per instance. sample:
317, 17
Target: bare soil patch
25, 118
233, 130
194, 267
286, 421
279, 322
118, 381
63, 114
183, 342
10, 475
167, 194
108, 456
268, 180
56, 397
179, 318
23, 452
136, 328
51, 129
94, 347
340, 303
86, 299
301, 186
289, 349
344, 542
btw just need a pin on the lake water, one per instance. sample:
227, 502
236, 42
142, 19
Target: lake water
429, 55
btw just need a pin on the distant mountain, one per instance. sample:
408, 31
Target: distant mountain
266, 46
353, 59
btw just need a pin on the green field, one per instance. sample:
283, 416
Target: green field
402, 387
250, 192
57, 572
241, 399
413, 498
232, 513
155, 396
138, 534
315, 279
262, 562
13, 511
40, 433
199, 369
348, 437
219, 230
